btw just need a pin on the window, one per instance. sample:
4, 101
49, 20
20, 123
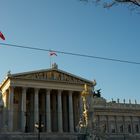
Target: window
104, 128
121, 128
129, 128
112, 128
137, 128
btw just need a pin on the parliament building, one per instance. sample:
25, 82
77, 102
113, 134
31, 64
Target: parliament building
48, 105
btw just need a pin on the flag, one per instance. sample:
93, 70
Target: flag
2, 36
53, 53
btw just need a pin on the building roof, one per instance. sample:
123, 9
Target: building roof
51, 74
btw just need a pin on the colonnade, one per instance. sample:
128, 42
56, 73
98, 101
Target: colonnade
62, 101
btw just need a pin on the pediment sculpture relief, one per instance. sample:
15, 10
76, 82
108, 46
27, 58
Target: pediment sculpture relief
52, 75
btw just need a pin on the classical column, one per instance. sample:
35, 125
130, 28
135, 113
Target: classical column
23, 109
65, 113
11, 108
48, 111
81, 105
71, 125
36, 106
60, 125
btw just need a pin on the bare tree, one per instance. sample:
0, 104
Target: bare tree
134, 4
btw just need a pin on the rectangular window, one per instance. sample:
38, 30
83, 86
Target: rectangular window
113, 128
121, 129
129, 128
137, 128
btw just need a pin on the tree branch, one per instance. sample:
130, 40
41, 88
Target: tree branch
107, 4
135, 2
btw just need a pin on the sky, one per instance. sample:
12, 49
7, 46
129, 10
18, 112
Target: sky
77, 27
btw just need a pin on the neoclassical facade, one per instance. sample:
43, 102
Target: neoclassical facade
115, 120
51, 96
54, 99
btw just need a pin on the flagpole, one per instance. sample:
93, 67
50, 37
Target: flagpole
52, 54
50, 61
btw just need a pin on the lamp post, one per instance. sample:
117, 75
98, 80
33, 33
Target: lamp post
39, 126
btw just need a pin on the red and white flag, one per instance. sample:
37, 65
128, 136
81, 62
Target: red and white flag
2, 36
53, 54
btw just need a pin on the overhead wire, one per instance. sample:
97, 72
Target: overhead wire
71, 53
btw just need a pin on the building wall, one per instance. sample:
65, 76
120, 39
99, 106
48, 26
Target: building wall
26, 100
115, 120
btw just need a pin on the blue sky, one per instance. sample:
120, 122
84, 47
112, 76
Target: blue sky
73, 26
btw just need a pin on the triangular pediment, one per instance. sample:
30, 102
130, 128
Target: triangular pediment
51, 75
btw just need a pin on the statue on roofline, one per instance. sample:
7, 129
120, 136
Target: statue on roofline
97, 93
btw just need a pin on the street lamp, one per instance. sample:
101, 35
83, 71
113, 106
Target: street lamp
39, 126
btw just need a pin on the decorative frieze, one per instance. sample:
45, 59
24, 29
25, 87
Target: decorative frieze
51, 76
